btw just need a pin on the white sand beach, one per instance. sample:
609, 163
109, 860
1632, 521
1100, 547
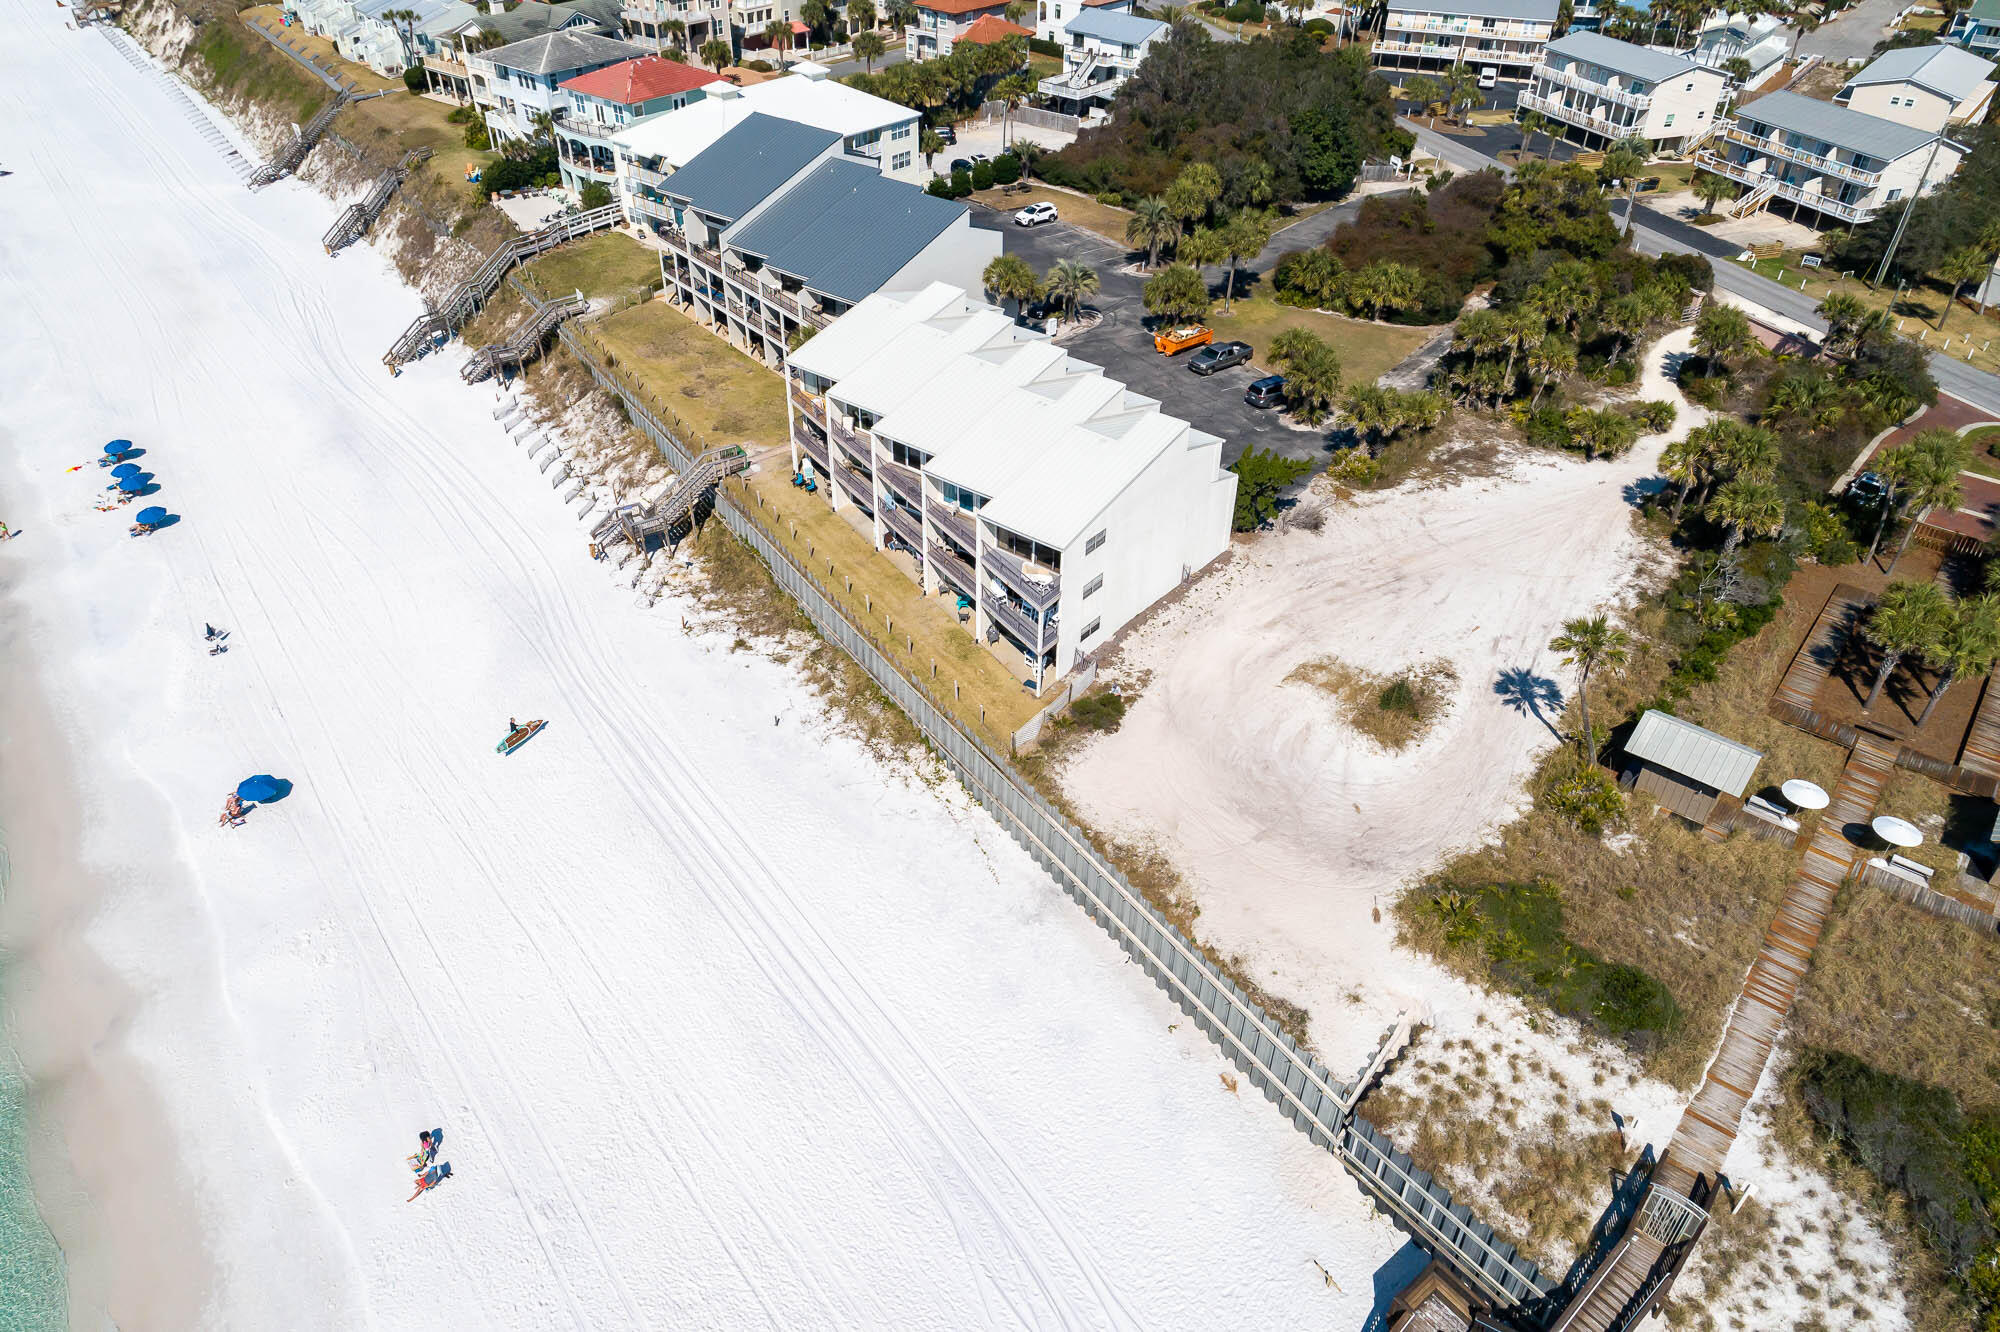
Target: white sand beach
728, 1024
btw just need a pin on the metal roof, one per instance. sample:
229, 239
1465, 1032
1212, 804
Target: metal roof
1843, 127
1693, 752
747, 165
1529, 11
1639, 62
846, 229
1949, 71
529, 18
555, 52
1113, 25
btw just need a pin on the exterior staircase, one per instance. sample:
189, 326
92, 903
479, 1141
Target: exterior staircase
288, 158
353, 224
435, 326
1754, 200
525, 345
634, 523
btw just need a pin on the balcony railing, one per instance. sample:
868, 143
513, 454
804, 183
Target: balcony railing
1737, 171
953, 568
905, 523
1779, 148
954, 524
1570, 115
1012, 570
907, 481
814, 447
640, 204
810, 405
1033, 635
847, 439
1569, 78
1466, 28
1453, 50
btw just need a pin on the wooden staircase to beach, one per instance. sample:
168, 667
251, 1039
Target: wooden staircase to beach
354, 221
634, 523
288, 158
1634, 1277
525, 345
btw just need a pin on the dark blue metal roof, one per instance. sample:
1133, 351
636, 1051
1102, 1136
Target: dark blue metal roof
846, 229
747, 165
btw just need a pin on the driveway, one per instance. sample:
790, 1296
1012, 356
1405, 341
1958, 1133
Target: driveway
1852, 35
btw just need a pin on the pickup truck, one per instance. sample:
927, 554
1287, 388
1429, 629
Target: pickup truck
1170, 341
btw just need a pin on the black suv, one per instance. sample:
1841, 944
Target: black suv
1219, 356
1266, 392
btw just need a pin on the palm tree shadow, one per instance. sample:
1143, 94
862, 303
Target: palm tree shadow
1536, 696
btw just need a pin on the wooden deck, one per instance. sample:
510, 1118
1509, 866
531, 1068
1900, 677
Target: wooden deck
1817, 654
1981, 753
1709, 1126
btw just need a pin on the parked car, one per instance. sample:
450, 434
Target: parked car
1035, 214
1220, 356
961, 164
1868, 489
1171, 341
1266, 392
947, 133
1489, 77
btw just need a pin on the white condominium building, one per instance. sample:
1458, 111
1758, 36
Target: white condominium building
1597, 89
1052, 502
1505, 36
1826, 165
1927, 87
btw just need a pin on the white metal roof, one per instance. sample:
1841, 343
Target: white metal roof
1695, 753
679, 136
1948, 71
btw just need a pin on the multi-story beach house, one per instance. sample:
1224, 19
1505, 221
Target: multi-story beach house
941, 24
1928, 87
871, 129
1050, 501
777, 228
444, 58
361, 33
515, 83
616, 97
1977, 28
1763, 42
1505, 36
1596, 90
1826, 165
1101, 49
1052, 16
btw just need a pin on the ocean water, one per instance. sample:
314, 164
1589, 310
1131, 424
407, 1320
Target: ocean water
33, 1296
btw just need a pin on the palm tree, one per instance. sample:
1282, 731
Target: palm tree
1533, 123
869, 46
1712, 189
404, 21
1428, 94
1550, 359
1810, 402
1462, 81
1312, 372
1152, 226
1690, 460
1565, 295
1910, 617
1624, 161
1623, 317
1201, 247
1069, 282
861, 17
1843, 314
1931, 481
1960, 267
1374, 412
1017, 12
1747, 451
1721, 332
1244, 237
1010, 92
1747, 508
715, 53
1009, 278
1587, 644
778, 36
1969, 646
675, 31
1177, 294
902, 13
930, 143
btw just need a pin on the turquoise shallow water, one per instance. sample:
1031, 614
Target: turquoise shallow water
33, 1297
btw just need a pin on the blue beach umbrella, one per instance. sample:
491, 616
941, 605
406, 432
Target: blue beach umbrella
152, 516
135, 483
118, 447
258, 789
126, 469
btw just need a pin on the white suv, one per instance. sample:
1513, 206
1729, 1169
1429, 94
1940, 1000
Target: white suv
1035, 214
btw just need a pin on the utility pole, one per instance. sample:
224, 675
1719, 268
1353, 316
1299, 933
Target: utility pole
1908, 208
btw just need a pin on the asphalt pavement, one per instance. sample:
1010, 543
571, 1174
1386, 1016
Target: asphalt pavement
1656, 233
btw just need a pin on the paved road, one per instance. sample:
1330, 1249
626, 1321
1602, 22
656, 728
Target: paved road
1853, 33
1655, 233
895, 55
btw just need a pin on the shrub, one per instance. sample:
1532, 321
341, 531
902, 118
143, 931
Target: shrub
413, 78
1047, 48
1398, 697
1319, 27
594, 195
1244, 11
1585, 798
476, 137
1261, 476
1006, 169
982, 175
941, 187
1705, 390
1355, 468
961, 182
761, 66
1693, 269
1100, 712
515, 173
1113, 198
1656, 415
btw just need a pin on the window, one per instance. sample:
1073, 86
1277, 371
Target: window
1670, 120
1091, 587
1090, 547
899, 162
1893, 196
1090, 629
900, 132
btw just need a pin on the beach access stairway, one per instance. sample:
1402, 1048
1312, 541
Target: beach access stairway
288, 158
1635, 1276
353, 223
525, 345
636, 523
435, 326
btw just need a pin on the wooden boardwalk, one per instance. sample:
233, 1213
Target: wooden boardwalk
1709, 1126
1982, 743
1817, 654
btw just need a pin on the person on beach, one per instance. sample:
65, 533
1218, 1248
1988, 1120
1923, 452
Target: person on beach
232, 811
431, 1178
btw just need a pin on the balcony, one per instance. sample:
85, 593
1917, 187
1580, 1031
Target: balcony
1570, 115
907, 524
1742, 174
1569, 78
850, 443
1536, 32
1037, 637
1455, 50
1040, 591
809, 405
953, 523
812, 445
645, 207
907, 481
1779, 148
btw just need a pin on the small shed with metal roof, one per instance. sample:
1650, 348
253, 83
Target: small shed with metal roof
1687, 768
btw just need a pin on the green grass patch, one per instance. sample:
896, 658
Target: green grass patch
609, 264
1516, 931
1366, 350
256, 72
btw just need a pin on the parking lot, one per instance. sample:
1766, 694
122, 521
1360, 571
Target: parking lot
1123, 345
